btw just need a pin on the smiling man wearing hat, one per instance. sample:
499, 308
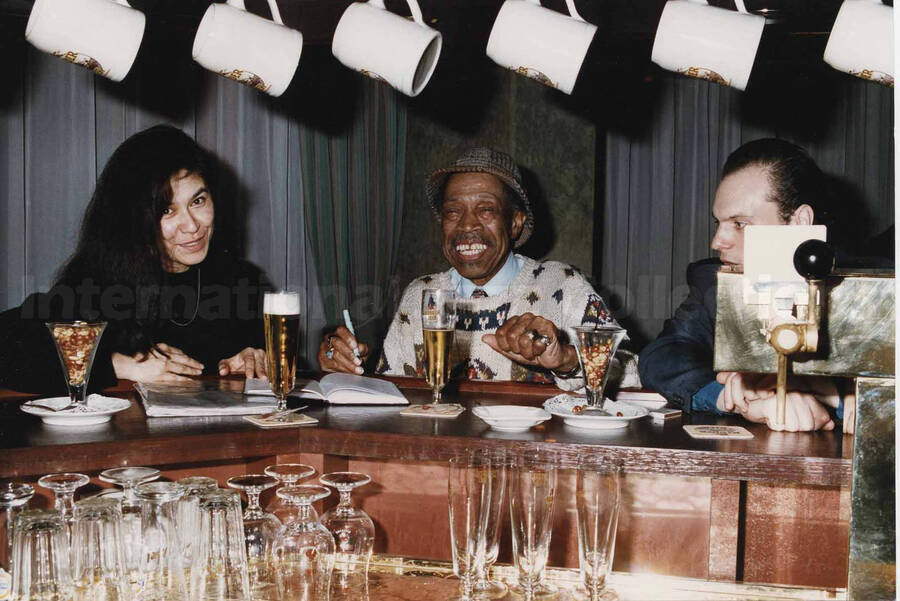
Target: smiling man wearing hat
516, 314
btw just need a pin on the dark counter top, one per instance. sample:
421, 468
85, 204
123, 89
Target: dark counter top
28, 447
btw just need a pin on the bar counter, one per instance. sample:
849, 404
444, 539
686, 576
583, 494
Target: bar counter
27, 447
753, 510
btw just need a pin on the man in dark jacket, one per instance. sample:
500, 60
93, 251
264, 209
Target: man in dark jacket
764, 182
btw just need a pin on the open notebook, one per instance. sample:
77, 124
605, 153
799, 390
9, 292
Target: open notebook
339, 389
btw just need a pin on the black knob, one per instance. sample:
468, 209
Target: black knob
814, 259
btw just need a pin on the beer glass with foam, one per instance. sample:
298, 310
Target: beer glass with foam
281, 315
438, 323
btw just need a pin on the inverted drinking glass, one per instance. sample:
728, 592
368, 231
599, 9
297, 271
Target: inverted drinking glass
288, 474
304, 549
128, 478
189, 513
41, 557
76, 344
532, 491
99, 572
596, 346
219, 570
281, 319
469, 496
597, 509
162, 572
13, 497
64, 487
438, 325
353, 530
260, 530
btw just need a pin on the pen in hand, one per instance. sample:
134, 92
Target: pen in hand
349, 325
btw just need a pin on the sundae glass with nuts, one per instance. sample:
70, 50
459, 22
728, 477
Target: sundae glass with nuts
596, 346
76, 343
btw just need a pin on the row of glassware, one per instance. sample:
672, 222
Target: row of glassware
483, 482
186, 540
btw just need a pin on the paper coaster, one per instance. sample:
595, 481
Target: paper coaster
718, 432
288, 421
445, 410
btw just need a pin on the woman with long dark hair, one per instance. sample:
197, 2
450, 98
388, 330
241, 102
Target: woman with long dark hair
154, 260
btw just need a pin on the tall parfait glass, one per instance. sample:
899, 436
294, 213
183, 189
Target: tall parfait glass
438, 325
281, 315
76, 344
596, 346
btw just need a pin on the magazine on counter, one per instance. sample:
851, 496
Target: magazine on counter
201, 398
338, 389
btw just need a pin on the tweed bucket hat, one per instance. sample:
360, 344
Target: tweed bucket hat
483, 160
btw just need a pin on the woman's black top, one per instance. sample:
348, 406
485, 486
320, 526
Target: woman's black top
227, 319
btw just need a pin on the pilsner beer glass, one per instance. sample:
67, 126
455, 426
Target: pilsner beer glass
438, 324
469, 501
597, 511
281, 312
532, 490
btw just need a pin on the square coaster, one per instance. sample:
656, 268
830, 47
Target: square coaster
442, 410
709, 432
289, 421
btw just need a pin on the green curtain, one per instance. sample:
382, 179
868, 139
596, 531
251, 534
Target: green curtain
353, 189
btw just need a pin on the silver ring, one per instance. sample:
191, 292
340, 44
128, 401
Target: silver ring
329, 353
538, 337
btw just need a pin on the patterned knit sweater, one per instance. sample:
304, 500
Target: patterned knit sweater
553, 290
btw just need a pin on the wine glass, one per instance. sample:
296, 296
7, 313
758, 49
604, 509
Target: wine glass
281, 315
13, 495
303, 551
596, 346
438, 325
353, 530
260, 530
288, 474
76, 344
64, 487
128, 478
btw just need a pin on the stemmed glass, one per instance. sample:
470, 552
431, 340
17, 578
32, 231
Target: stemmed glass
352, 528
13, 495
288, 474
128, 478
260, 530
438, 325
64, 487
281, 315
596, 346
304, 549
597, 511
532, 490
469, 495
484, 586
76, 344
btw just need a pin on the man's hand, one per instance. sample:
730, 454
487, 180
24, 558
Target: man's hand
251, 361
741, 388
802, 413
336, 352
163, 363
516, 340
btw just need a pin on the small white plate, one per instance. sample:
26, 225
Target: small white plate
99, 410
562, 405
511, 418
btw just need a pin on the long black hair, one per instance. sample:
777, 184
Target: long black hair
119, 243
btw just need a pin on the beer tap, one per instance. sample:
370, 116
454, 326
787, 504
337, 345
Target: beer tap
814, 260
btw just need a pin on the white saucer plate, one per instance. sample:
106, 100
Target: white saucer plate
511, 418
620, 413
100, 409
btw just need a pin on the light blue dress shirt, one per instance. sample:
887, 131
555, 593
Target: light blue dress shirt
497, 284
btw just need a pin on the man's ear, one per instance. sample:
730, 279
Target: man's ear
518, 222
803, 215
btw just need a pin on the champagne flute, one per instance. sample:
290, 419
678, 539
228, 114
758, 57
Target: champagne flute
469, 501
281, 314
597, 510
438, 325
76, 344
532, 490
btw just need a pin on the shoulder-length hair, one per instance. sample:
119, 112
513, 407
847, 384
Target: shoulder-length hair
119, 243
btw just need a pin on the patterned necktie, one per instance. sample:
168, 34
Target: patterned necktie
479, 293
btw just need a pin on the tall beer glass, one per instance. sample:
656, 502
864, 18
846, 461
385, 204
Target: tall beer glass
281, 314
438, 324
